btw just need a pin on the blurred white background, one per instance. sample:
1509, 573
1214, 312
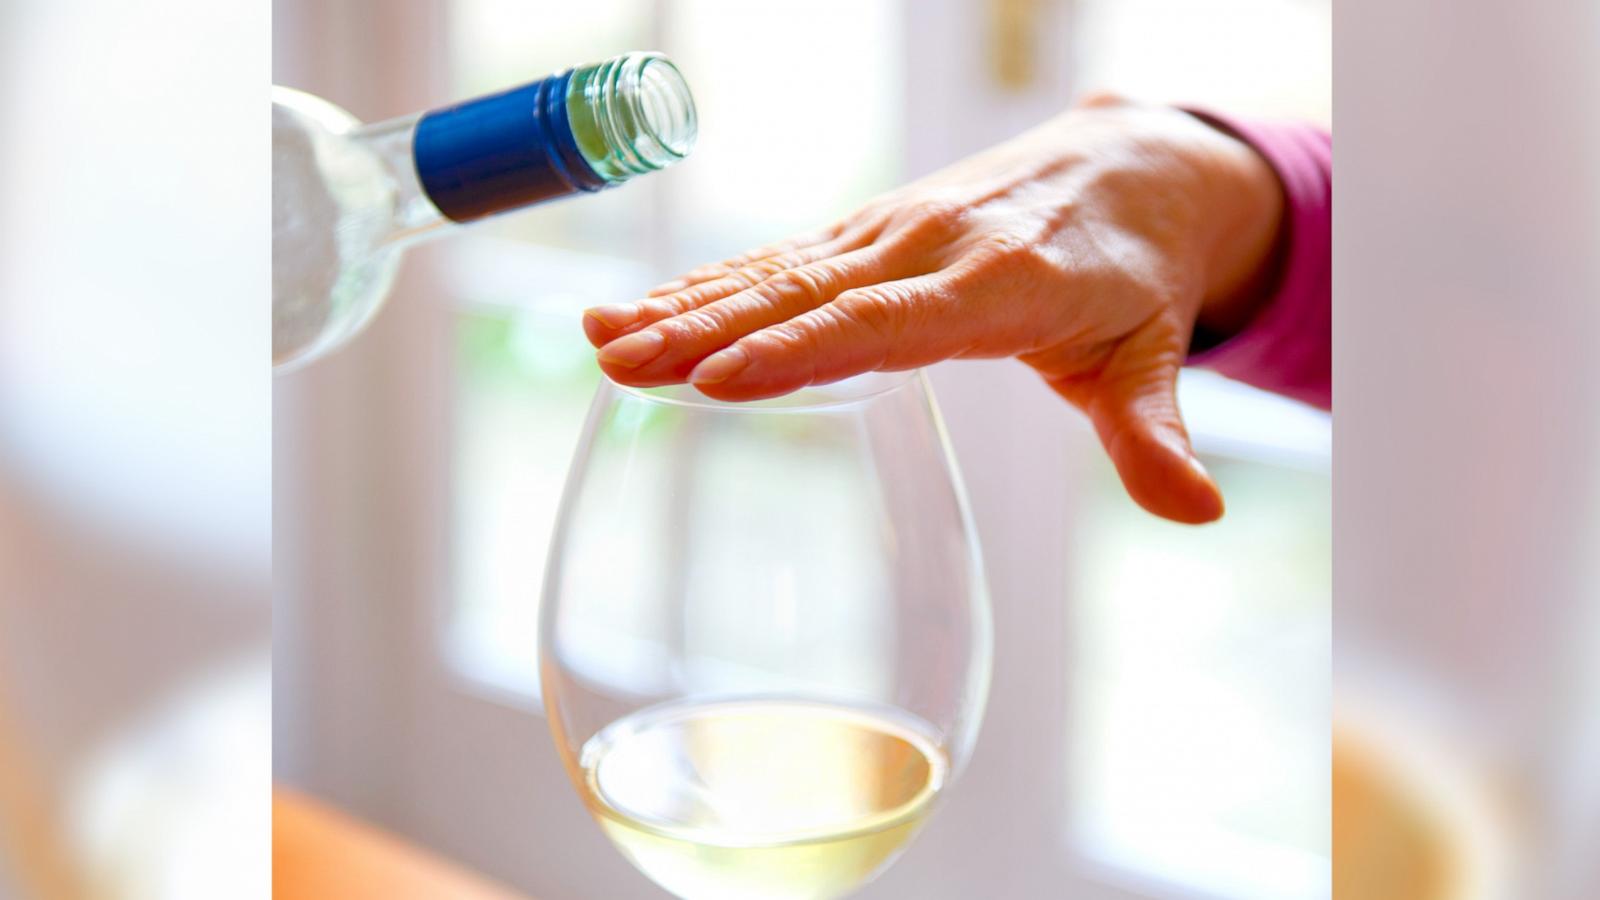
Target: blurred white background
1466, 309
1159, 719
135, 557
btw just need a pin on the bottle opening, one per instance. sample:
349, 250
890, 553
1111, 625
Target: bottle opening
631, 114
665, 109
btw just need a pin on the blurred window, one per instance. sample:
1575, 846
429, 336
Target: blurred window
1249, 57
1196, 650
1202, 676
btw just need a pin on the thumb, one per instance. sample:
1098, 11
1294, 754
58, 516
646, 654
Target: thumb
1133, 404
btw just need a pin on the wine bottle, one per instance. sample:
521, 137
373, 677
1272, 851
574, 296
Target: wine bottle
347, 197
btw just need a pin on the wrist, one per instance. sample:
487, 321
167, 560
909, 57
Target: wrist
1244, 205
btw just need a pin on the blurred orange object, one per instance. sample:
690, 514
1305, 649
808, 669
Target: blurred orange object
319, 853
1388, 843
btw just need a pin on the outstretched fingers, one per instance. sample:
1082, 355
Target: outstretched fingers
890, 325
604, 324
708, 284
666, 351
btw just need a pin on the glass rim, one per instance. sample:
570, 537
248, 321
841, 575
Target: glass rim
855, 390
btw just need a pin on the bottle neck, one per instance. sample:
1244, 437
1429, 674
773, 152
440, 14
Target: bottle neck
415, 217
502, 152
581, 130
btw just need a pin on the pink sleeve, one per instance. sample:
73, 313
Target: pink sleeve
1287, 347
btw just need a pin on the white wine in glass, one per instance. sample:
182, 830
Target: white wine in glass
765, 635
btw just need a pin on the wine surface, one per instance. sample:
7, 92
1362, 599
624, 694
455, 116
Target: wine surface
761, 799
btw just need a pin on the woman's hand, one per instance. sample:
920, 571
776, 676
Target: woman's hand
1087, 248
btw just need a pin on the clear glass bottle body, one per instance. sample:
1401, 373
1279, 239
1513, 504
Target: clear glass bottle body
347, 197
344, 200
765, 637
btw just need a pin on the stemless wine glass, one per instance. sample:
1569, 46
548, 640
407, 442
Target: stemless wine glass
765, 638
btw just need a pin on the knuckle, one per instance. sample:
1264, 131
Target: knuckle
688, 300
748, 276
943, 213
870, 222
803, 333
875, 310
936, 217
665, 307
877, 316
808, 284
1011, 249
696, 323
795, 345
778, 263
1006, 245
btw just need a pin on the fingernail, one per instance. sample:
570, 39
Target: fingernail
633, 351
670, 287
615, 315
720, 366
